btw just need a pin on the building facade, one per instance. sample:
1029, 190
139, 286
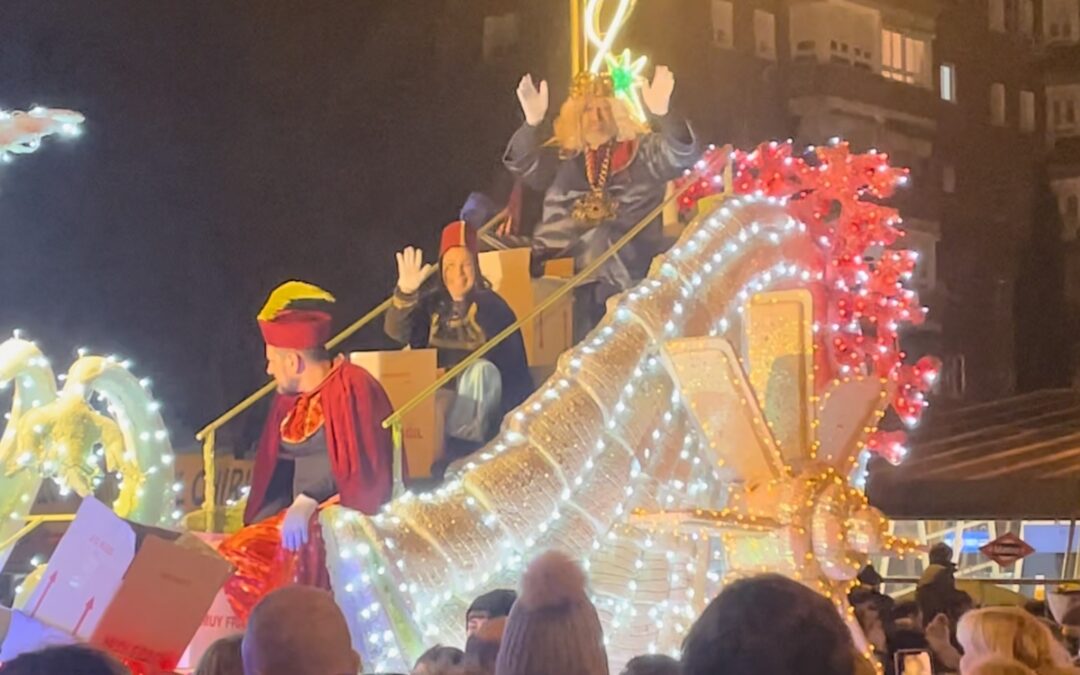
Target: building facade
957, 90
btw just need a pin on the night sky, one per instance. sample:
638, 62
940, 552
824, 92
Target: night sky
229, 146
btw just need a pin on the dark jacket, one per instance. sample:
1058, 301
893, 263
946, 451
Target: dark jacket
432, 319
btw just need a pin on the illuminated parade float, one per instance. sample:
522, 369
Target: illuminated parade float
716, 422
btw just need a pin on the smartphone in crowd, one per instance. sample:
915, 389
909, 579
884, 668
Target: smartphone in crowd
913, 662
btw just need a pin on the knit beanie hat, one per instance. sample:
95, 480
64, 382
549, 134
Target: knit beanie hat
553, 627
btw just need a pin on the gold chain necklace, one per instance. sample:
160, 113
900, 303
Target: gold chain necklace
596, 206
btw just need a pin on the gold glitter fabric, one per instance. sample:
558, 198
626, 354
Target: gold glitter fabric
650, 455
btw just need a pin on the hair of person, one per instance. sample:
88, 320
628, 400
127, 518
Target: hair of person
73, 659
223, 657
941, 554
869, 576
997, 665
651, 664
298, 630
440, 660
908, 609
568, 133
906, 638
769, 624
861, 595
1013, 633
317, 354
496, 603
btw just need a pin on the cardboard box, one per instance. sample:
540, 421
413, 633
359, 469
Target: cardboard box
551, 333
220, 620
136, 591
404, 374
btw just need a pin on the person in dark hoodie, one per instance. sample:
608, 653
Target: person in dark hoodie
456, 316
487, 607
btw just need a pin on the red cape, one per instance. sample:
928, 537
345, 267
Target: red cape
361, 452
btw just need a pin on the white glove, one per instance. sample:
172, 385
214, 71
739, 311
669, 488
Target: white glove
657, 94
533, 100
411, 270
294, 528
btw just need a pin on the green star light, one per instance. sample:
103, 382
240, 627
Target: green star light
625, 72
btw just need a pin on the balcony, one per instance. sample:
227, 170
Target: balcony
1061, 63
1064, 156
868, 91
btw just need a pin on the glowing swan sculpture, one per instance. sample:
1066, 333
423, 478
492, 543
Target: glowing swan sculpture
53, 434
615, 432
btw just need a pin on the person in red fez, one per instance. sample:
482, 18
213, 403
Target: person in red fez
456, 316
323, 442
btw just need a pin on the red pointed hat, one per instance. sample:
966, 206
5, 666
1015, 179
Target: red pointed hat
458, 233
295, 328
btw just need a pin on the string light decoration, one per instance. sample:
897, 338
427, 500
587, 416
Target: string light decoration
22, 132
626, 71
787, 457
56, 434
609, 456
863, 303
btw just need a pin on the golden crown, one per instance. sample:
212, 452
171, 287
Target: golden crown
597, 85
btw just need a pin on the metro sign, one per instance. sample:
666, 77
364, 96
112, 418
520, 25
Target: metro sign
1007, 549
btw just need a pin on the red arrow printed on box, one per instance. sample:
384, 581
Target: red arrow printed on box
49, 583
86, 610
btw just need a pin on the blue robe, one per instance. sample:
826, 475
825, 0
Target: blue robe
637, 188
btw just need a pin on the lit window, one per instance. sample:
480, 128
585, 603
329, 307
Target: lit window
902, 57
1062, 113
500, 35
948, 82
997, 104
948, 178
997, 15
1027, 17
722, 15
765, 34
1012, 16
925, 243
1071, 217
1059, 19
1027, 111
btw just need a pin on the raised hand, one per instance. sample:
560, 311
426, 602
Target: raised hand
533, 99
411, 270
657, 94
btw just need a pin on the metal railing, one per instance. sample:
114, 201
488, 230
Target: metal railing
395, 420
31, 524
207, 435
997, 581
